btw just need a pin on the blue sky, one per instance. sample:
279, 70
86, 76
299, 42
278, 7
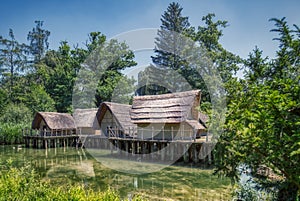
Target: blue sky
72, 20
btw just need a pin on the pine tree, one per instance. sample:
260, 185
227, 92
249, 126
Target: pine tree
12, 61
168, 50
38, 39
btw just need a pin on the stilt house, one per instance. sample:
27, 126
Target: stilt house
168, 116
53, 123
114, 120
86, 121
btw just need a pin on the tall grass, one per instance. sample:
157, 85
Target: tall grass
24, 184
11, 133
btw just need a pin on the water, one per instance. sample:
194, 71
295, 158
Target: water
177, 182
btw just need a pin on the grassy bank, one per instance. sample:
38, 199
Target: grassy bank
24, 184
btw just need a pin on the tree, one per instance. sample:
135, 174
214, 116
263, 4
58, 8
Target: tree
38, 39
103, 67
256, 67
38, 100
168, 51
173, 23
208, 36
58, 70
262, 125
12, 61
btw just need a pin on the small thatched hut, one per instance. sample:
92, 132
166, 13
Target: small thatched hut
168, 116
86, 121
114, 119
53, 123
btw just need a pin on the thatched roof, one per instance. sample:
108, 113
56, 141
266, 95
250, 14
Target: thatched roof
166, 108
121, 113
203, 119
54, 120
86, 118
195, 124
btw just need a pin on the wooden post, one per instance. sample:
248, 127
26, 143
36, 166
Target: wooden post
209, 155
127, 148
162, 152
111, 147
119, 147
183, 131
172, 151
152, 133
186, 153
152, 150
142, 133
163, 137
196, 158
172, 132
133, 148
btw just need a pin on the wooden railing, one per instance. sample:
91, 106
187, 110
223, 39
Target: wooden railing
152, 134
35, 132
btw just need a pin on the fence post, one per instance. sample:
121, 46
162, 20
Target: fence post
172, 133
163, 133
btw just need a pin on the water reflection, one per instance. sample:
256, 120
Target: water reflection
63, 165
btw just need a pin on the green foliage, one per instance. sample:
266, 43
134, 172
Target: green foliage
14, 118
168, 52
39, 100
3, 100
179, 71
102, 67
262, 127
11, 133
16, 114
58, 71
12, 62
38, 39
24, 184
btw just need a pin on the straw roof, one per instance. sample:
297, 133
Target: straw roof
86, 118
195, 124
203, 119
121, 113
54, 120
166, 108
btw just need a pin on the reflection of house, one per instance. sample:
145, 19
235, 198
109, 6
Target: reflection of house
114, 119
53, 123
86, 121
168, 116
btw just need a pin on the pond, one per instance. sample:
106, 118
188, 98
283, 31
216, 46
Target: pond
175, 182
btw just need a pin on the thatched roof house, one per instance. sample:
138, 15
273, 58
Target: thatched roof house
53, 122
173, 114
86, 121
115, 118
